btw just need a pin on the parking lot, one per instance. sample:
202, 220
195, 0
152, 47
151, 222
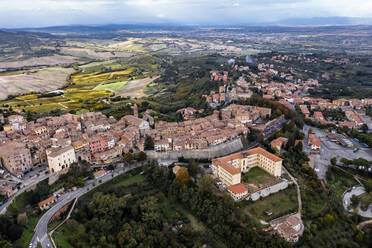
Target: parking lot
330, 149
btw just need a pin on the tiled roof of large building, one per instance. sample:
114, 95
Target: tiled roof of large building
237, 188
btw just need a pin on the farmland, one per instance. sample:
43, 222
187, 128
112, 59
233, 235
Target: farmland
36, 80
83, 88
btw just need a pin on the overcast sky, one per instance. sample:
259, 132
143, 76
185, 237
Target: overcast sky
38, 13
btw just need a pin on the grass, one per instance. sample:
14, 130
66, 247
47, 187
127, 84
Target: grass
256, 175
281, 203
131, 180
339, 181
113, 86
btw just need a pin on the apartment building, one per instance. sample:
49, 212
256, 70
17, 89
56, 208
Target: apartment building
60, 158
226, 168
15, 158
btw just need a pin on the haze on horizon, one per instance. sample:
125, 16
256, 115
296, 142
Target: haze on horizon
42, 13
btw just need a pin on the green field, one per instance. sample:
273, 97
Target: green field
256, 175
281, 203
113, 86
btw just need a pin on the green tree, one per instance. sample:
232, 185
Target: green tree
149, 143
334, 161
368, 185
354, 201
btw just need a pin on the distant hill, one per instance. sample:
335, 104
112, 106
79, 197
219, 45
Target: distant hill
17, 38
318, 21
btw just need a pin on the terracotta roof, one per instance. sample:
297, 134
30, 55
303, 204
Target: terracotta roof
229, 168
263, 152
237, 188
47, 201
55, 152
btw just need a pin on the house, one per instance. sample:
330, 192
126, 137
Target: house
238, 191
162, 145
60, 158
278, 143
131, 120
314, 142
100, 173
47, 202
176, 169
290, 228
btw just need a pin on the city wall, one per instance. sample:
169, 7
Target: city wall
209, 153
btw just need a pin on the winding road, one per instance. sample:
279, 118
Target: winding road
41, 229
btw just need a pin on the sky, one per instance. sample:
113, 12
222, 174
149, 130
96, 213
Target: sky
42, 13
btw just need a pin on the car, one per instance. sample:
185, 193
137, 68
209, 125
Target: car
365, 145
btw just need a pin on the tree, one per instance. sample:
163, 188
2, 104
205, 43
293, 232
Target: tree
22, 219
206, 184
141, 156
364, 128
193, 168
368, 185
182, 176
334, 161
354, 201
128, 157
149, 143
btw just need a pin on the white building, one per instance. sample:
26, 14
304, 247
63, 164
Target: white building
60, 158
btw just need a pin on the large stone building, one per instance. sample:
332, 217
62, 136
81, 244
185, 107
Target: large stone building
60, 158
228, 169
15, 158
243, 161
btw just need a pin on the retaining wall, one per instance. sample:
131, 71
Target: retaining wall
209, 153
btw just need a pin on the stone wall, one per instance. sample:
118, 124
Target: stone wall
268, 191
209, 153
59, 212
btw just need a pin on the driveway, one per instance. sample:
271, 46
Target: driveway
358, 190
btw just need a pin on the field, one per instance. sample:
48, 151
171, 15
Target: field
281, 203
84, 89
39, 81
135, 88
38, 61
256, 175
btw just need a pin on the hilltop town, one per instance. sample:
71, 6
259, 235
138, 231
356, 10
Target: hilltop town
274, 145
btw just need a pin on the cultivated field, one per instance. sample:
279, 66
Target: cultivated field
39, 61
135, 88
39, 81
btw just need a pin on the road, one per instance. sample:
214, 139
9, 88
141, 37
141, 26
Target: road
329, 150
41, 229
358, 190
27, 185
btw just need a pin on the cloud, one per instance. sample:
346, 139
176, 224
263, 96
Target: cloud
20, 13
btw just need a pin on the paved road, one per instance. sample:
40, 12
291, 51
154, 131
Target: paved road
41, 229
27, 185
359, 190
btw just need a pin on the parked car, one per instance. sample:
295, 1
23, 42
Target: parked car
365, 145
356, 140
